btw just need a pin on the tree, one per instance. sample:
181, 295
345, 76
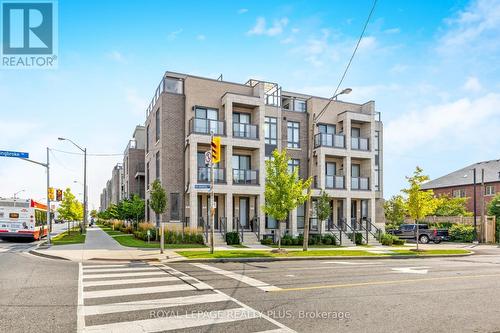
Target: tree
70, 209
324, 210
93, 213
284, 191
446, 206
419, 203
494, 209
137, 208
395, 209
158, 204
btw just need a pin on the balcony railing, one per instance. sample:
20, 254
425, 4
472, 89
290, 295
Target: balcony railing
335, 182
329, 140
359, 144
207, 126
247, 131
247, 177
204, 175
360, 183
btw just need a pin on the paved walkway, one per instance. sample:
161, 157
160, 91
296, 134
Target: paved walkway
97, 239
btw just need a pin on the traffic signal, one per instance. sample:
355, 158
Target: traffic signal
215, 149
51, 193
59, 195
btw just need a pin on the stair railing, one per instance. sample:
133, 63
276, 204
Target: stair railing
331, 227
223, 227
256, 227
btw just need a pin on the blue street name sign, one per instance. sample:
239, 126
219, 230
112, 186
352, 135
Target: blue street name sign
19, 154
202, 186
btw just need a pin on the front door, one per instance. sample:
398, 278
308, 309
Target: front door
244, 212
340, 214
354, 213
200, 211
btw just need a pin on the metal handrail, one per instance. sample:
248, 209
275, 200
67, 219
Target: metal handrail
370, 226
256, 225
354, 231
330, 225
239, 228
223, 226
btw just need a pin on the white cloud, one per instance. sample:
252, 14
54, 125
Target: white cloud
287, 40
472, 84
367, 43
201, 37
116, 56
242, 11
445, 126
398, 69
173, 35
260, 27
392, 31
138, 104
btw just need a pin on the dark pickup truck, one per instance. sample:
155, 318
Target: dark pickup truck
425, 234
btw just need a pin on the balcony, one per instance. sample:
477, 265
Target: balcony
245, 177
246, 131
204, 175
207, 126
329, 140
335, 182
360, 183
360, 144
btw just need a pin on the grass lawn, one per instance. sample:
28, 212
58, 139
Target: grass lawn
130, 241
74, 238
240, 246
310, 253
300, 246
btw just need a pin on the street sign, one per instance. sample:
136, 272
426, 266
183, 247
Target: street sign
208, 157
20, 154
202, 186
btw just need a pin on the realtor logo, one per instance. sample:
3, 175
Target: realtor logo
29, 34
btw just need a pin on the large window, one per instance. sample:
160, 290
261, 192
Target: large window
489, 190
158, 165
147, 139
299, 105
147, 175
271, 130
293, 134
326, 128
173, 85
157, 119
300, 216
293, 164
174, 206
241, 162
459, 193
205, 113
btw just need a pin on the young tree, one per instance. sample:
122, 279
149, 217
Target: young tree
93, 213
395, 209
284, 191
446, 206
419, 203
324, 210
137, 208
67, 208
158, 204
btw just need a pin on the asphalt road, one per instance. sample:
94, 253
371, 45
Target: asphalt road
380, 295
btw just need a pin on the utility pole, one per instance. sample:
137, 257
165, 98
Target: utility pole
85, 189
475, 210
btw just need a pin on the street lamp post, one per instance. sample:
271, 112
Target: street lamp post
84, 150
315, 119
18, 193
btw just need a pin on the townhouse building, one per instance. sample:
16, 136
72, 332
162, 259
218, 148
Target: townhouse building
343, 153
133, 164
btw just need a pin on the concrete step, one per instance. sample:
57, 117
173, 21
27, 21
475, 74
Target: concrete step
250, 238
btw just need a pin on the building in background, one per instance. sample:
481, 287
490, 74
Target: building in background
117, 184
253, 119
133, 164
460, 183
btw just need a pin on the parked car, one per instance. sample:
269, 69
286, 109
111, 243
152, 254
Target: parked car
425, 234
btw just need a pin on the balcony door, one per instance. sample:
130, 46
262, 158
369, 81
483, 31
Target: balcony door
326, 129
331, 171
244, 212
206, 120
355, 170
241, 163
355, 132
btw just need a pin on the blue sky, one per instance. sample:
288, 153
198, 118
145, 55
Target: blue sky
431, 66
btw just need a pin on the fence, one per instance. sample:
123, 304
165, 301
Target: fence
485, 225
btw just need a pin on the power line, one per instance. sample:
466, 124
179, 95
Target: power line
88, 154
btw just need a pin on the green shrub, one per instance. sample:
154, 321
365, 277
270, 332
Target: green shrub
398, 241
328, 239
287, 240
389, 240
267, 241
462, 233
232, 238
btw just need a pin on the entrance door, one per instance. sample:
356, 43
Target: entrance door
244, 212
354, 213
340, 214
200, 211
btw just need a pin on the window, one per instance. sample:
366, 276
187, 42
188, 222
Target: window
489, 190
355, 170
205, 113
271, 130
459, 193
147, 210
173, 85
326, 128
299, 105
331, 168
241, 162
355, 132
157, 116
147, 175
300, 216
293, 164
293, 134
174, 206
147, 139
241, 118
158, 165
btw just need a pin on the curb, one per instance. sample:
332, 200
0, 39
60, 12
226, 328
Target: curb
271, 259
48, 256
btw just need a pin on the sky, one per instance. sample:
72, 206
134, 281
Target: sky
432, 68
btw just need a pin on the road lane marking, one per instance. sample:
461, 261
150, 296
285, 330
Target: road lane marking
101, 276
239, 277
153, 304
136, 291
371, 283
120, 270
411, 270
80, 315
105, 266
348, 263
129, 281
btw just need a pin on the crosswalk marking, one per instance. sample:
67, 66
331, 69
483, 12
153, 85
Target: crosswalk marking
176, 322
240, 277
153, 304
101, 276
204, 313
129, 281
121, 270
136, 291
